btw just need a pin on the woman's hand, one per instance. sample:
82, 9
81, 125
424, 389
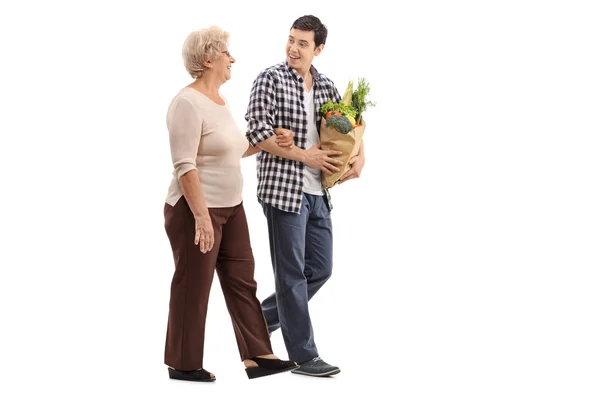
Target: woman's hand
285, 137
205, 235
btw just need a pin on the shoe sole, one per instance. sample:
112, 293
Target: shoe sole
258, 372
193, 380
328, 373
180, 377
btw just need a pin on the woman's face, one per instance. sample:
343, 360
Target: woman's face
222, 65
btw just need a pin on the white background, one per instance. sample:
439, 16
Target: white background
466, 256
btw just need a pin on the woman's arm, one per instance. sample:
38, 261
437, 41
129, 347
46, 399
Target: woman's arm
284, 138
185, 131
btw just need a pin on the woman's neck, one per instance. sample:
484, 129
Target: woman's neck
206, 85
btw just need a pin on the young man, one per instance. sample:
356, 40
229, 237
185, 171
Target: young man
288, 95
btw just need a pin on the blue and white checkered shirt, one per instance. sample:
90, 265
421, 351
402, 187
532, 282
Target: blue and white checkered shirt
276, 101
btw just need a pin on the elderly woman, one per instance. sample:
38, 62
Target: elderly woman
205, 219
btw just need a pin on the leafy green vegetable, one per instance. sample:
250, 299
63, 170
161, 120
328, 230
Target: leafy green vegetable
359, 99
345, 109
353, 104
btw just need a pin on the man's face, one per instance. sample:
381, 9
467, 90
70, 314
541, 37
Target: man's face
300, 49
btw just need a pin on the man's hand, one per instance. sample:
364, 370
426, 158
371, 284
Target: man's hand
284, 138
357, 162
317, 158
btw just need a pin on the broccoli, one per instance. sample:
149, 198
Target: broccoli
339, 122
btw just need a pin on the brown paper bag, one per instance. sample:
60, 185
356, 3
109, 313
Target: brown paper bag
348, 143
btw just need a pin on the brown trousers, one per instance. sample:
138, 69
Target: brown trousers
232, 257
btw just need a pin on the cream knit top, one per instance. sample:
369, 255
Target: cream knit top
203, 135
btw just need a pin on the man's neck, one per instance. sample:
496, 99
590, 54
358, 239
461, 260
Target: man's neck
307, 77
305, 74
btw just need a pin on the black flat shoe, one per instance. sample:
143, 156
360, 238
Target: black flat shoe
199, 375
268, 366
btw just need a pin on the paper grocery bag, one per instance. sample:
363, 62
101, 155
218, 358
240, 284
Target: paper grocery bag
347, 143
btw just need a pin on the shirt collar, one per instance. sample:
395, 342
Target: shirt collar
298, 78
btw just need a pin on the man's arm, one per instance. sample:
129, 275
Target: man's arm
261, 109
313, 157
335, 94
284, 138
291, 153
260, 133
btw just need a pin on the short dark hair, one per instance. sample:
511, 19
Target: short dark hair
314, 24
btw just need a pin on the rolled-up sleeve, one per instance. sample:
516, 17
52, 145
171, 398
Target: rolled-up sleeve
185, 128
261, 109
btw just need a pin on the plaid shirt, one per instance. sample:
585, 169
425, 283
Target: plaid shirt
276, 101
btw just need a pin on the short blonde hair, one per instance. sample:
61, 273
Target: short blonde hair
201, 46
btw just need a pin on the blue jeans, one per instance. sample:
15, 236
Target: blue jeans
301, 254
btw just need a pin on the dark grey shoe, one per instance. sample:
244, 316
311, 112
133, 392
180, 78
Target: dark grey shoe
316, 367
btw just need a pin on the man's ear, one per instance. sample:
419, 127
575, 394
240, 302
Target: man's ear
319, 49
